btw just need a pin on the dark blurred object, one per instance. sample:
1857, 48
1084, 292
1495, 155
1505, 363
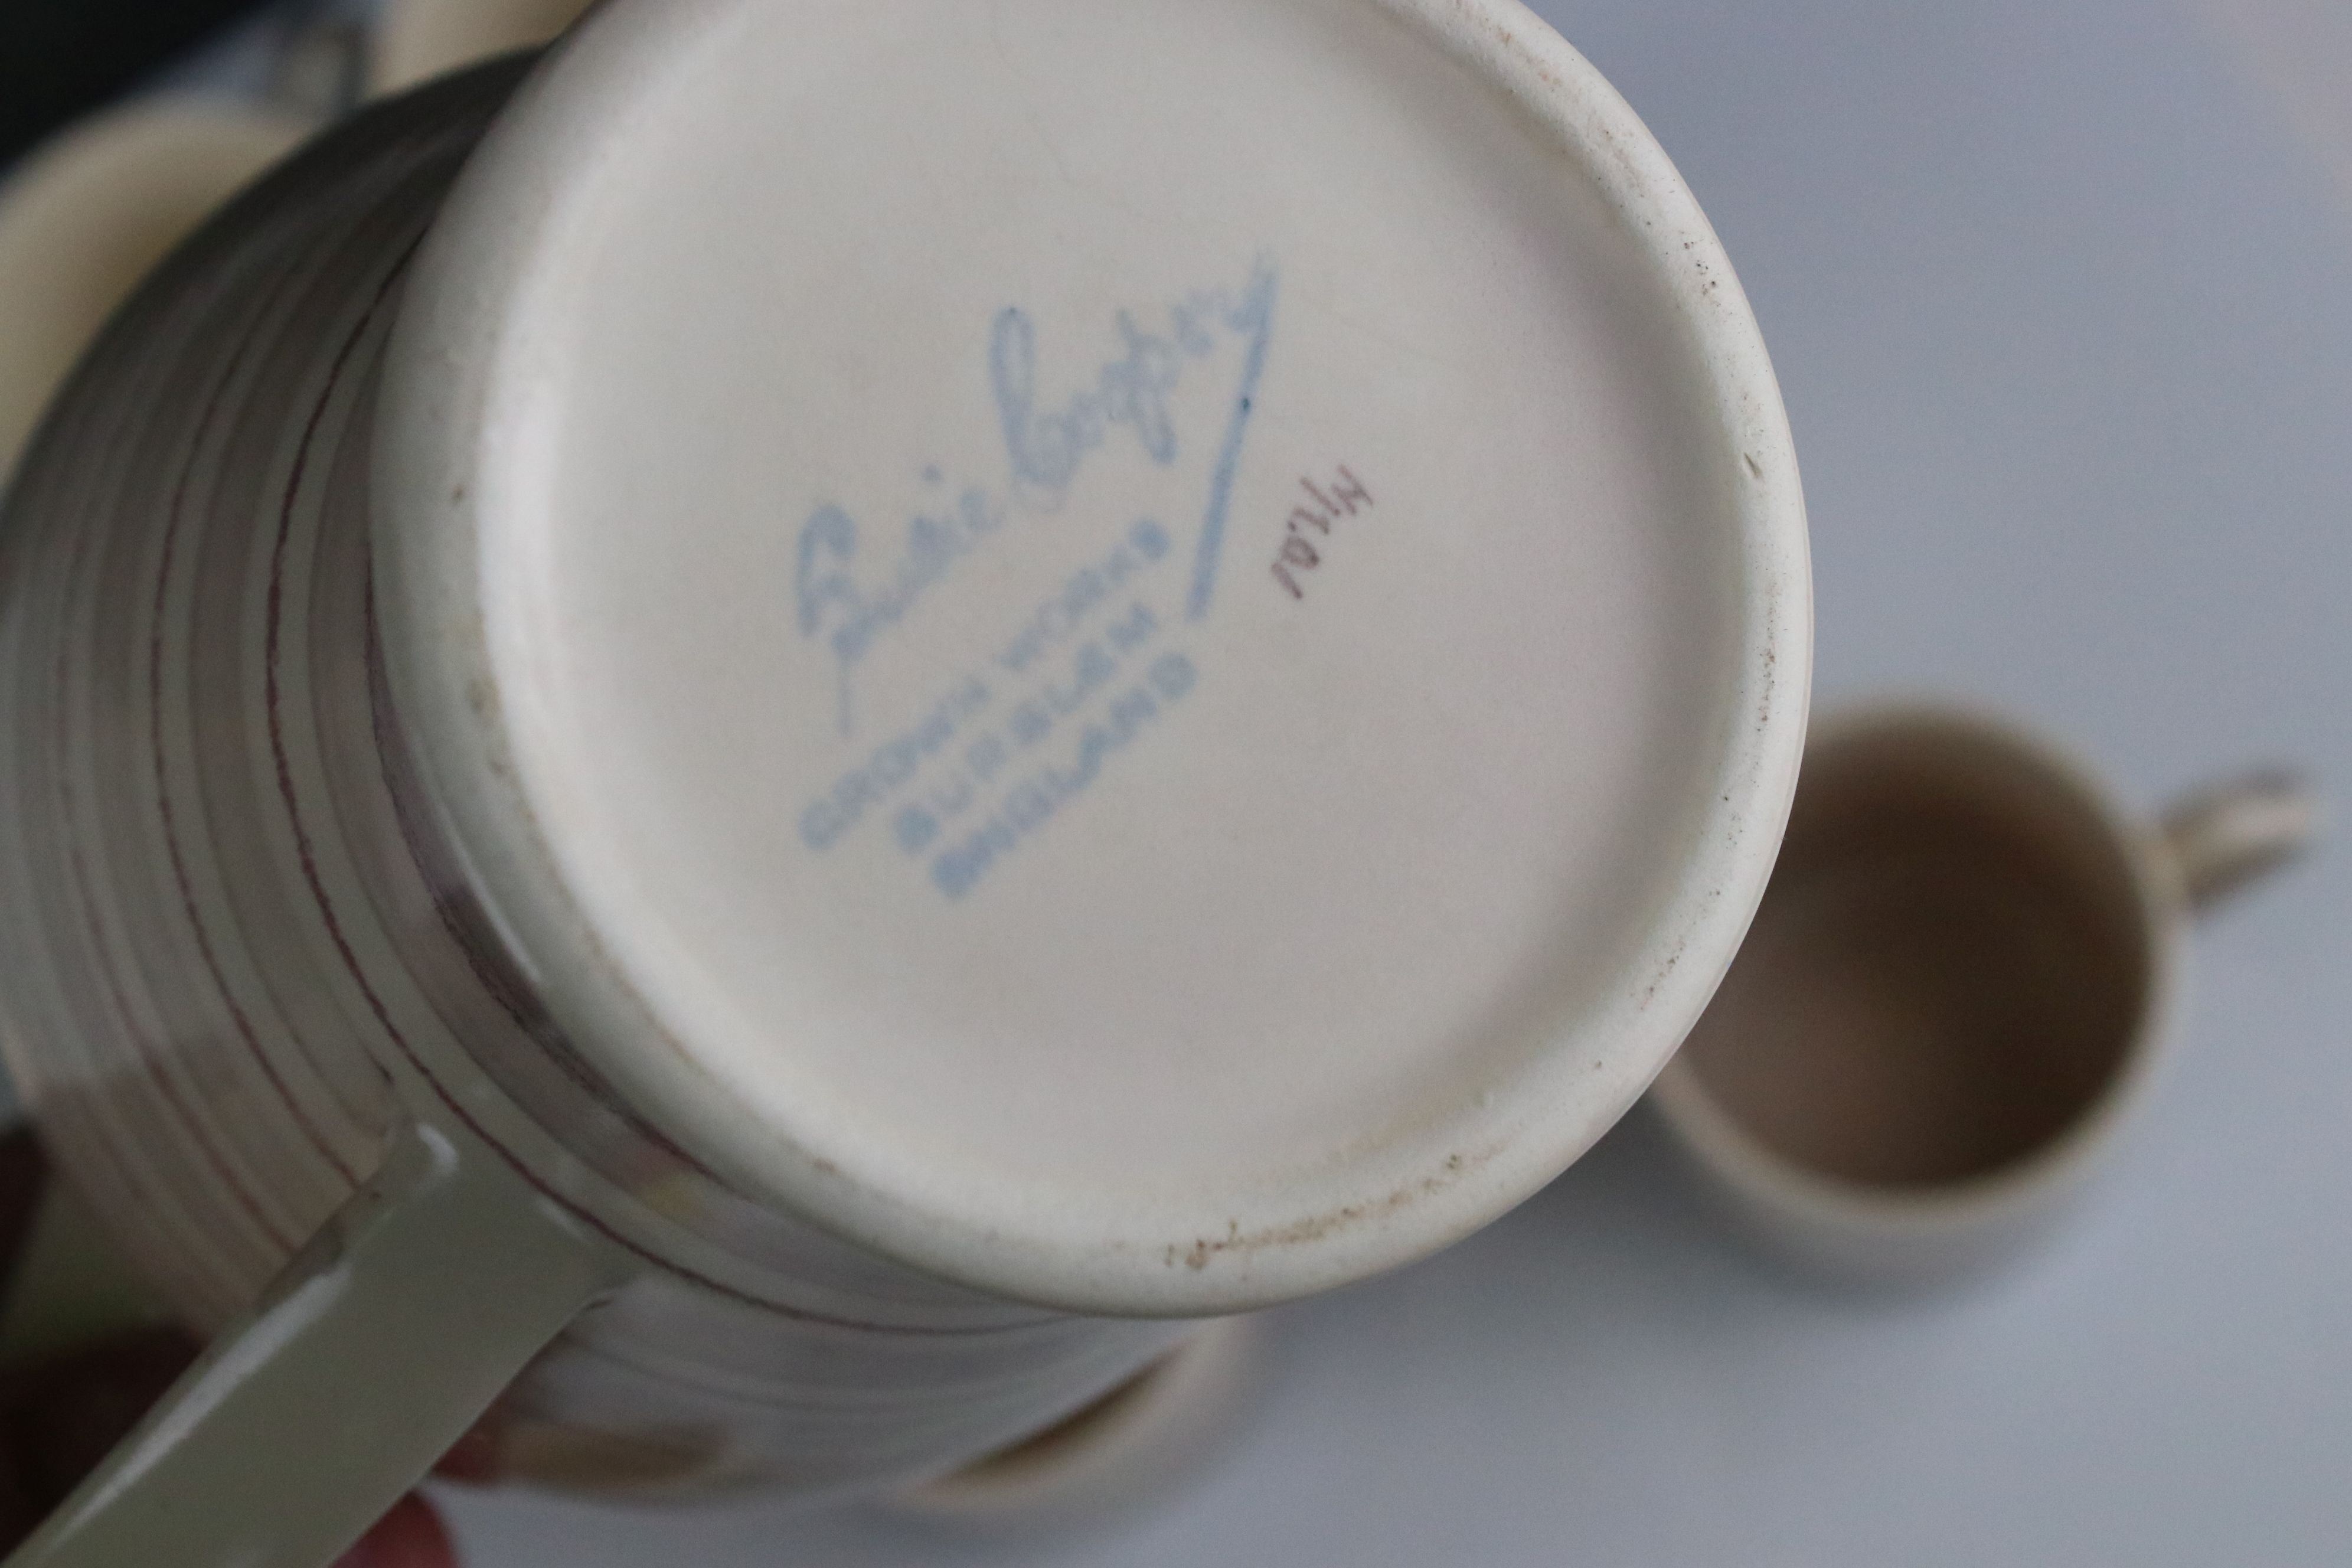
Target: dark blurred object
59, 1415
59, 1419
61, 58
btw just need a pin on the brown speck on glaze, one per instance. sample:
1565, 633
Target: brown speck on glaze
1673, 960
1305, 1232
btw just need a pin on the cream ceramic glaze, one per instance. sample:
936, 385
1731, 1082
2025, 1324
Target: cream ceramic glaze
1169, 680
416, 40
85, 218
459, 639
1846, 1167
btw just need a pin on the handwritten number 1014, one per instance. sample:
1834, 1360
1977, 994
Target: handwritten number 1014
1308, 534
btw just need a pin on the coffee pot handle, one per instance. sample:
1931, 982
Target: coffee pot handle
375, 1351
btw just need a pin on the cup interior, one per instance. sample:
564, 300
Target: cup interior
1950, 969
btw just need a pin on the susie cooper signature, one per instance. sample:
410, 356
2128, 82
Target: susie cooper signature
1047, 444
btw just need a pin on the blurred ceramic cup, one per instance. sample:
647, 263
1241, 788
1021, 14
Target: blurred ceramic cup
416, 40
1956, 992
85, 218
737, 758
1120, 1454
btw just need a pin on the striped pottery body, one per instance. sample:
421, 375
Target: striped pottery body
234, 949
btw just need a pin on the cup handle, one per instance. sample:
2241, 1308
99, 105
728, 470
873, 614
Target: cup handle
372, 1353
2219, 839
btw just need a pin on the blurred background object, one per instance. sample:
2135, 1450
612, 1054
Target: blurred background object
1962, 985
61, 58
1131, 1448
2298, 53
90, 212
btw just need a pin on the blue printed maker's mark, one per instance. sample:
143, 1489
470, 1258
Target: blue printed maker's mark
1077, 680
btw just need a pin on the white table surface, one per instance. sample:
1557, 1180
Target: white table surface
2060, 296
